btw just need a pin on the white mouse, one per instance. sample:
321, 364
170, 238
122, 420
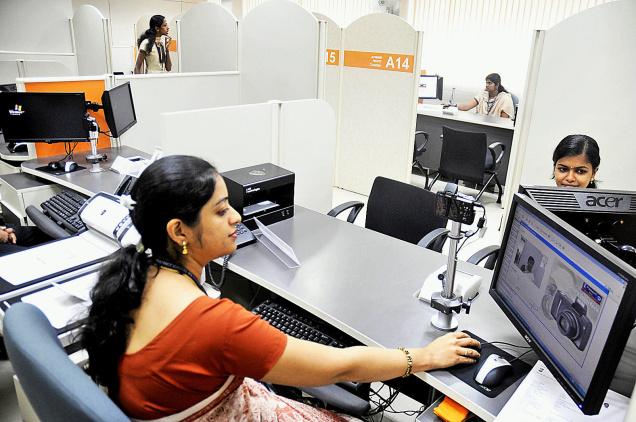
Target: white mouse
493, 371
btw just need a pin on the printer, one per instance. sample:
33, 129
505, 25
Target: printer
264, 191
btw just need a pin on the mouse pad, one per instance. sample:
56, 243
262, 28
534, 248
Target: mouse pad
467, 373
46, 169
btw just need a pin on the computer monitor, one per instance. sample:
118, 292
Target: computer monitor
43, 117
572, 300
430, 87
119, 109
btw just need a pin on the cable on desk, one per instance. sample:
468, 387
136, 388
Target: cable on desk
520, 356
507, 344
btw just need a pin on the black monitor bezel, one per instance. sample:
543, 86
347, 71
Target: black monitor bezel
439, 87
620, 330
107, 106
49, 140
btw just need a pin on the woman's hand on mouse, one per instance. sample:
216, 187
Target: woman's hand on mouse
449, 350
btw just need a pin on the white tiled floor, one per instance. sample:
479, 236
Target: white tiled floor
9, 411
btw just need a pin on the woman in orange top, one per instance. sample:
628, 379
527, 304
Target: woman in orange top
162, 347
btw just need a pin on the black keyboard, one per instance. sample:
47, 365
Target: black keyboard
63, 209
297, 323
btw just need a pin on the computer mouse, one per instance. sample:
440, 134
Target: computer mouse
70, 166
493, 371
54, 165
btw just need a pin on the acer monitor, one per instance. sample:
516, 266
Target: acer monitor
43, 117
577, 306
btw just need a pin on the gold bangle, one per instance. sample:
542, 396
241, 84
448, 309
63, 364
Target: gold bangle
409, 362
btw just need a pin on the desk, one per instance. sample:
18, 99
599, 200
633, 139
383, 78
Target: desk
10, 161
364, 283
82, 180
431, 119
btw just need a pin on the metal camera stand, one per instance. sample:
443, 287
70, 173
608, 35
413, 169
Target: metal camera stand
94, 158
445, 302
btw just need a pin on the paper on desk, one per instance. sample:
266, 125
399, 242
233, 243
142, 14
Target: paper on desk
541, 397
277, 246
50, 258
60, 307
126, 166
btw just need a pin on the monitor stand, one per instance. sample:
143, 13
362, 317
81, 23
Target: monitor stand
94, 158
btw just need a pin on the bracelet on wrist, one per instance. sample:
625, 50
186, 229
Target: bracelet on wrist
409, 362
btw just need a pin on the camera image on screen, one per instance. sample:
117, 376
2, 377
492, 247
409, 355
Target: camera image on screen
571, 319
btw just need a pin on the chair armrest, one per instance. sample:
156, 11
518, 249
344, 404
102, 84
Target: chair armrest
496, 159
355, 206
45, 224
434, 239
340, 398
424, 144
489, 252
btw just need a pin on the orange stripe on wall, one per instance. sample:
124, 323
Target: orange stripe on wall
391, 62
93, 92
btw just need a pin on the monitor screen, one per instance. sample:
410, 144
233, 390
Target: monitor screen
430, 87
571, 300
119, 109
43, 117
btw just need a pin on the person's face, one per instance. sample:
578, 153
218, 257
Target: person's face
491, 86
575, 171
163, 29
215, 235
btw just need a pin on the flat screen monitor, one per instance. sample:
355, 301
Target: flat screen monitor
572, 300
430, 87
43, 117
119, 109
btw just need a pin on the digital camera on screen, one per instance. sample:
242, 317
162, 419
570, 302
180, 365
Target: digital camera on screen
571, 319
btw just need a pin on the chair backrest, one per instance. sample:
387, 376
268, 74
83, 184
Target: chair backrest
57, 389
463, 155
401, 210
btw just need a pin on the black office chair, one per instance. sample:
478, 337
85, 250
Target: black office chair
467, 156
489, 254
57, 389
402, 211
45, 224
418, 150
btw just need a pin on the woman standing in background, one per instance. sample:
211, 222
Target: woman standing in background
153, 47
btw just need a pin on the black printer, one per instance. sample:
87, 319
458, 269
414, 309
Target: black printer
264, 191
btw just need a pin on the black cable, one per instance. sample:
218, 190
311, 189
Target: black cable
226, 260
508, 344
521, 355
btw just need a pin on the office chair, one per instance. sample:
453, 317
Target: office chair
467, 156
57, 389
418, 150
45, 224
400, 210
489, 253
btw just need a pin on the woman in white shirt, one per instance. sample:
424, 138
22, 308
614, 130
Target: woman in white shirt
493, 101
153, 47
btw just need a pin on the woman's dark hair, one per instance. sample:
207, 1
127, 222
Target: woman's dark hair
573, 145
496, 79
176, 186
151, 33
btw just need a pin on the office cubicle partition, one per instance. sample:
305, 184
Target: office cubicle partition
333, 60
378, 101
91, 37
208, 36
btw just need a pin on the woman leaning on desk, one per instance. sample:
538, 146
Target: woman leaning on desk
494, 101
576, 160
162, 347
153, 47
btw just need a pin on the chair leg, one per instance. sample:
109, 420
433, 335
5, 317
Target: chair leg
424, 171
485, 186
500, 188
429, 187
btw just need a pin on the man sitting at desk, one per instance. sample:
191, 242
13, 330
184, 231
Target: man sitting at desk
494, 101
15, 239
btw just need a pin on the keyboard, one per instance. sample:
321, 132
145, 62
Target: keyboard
298, 323
63, 209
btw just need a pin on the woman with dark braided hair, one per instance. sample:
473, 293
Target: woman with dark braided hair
153, 47
162, 347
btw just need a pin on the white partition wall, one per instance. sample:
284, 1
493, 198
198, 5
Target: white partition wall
296, 135
160, 93
91, 34
280, 53
378, 101
208, 35
565, 72
333, 59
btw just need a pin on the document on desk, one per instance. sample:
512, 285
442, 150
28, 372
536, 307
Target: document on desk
51, 258
541, 398
65, 303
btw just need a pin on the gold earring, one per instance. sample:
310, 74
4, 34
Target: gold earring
184, 248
